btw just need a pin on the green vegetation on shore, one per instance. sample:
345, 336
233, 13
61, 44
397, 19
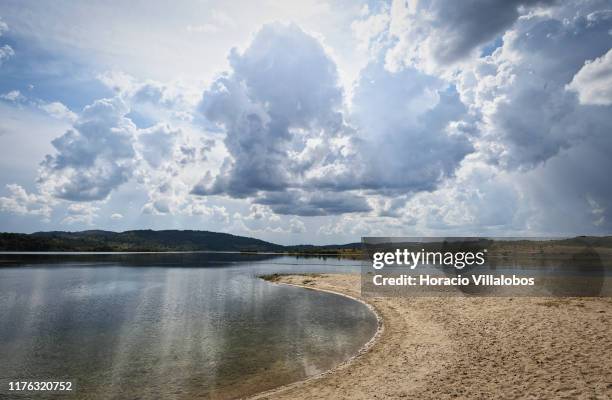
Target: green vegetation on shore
190, 240
165, 240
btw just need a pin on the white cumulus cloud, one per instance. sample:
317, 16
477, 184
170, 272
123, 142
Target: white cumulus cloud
593, 82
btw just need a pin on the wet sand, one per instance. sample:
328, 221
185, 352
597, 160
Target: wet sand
464, 347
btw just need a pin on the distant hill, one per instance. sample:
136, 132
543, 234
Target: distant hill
138, 240
190, 240
150, 240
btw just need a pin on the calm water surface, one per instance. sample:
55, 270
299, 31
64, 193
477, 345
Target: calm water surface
170, 325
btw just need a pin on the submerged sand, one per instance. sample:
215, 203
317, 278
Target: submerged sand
467, 347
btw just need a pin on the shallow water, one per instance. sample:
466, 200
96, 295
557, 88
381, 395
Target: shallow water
171, 325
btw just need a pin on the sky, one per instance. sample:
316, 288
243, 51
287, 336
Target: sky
307, 121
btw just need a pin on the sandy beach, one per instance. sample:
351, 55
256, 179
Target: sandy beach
481, 348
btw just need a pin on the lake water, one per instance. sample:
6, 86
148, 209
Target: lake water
170, 325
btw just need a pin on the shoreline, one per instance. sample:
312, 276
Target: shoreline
467, 347
344, 364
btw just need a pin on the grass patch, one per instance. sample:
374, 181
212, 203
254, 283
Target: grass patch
310, 278
271, 277
313, 275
